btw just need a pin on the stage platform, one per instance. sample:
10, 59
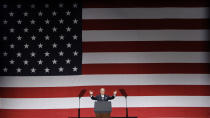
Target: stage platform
110, 117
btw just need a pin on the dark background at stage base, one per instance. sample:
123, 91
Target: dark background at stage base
110, 117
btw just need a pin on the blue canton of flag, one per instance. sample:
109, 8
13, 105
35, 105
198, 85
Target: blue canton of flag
40, 37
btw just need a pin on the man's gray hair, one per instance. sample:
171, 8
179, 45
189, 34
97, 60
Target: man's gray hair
102, 89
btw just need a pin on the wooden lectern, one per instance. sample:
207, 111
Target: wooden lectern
102, 109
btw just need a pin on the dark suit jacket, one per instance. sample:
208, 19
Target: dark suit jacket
99, 98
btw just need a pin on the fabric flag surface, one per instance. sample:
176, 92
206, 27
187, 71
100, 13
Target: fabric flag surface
157, 51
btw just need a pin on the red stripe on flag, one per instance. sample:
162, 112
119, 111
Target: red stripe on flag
146, 46
150, 112
146, 68
143, 3
146, 24
132, 90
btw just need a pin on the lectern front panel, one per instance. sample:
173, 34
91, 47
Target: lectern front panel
102, 107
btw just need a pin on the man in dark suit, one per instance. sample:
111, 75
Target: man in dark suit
102, 97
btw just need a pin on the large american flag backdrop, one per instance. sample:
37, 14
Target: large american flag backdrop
157, 51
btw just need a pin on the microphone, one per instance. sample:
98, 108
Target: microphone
123, 92
82, 92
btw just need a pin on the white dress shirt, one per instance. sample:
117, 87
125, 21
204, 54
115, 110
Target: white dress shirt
102, 96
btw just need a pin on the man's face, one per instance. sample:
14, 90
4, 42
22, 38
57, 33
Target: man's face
102, 91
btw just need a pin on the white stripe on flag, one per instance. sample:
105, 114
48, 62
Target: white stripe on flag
145, 35
97, 80
144, 13
86, 102
145, 57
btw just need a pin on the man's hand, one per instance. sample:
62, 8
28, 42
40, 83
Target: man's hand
91, 92
115, 92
